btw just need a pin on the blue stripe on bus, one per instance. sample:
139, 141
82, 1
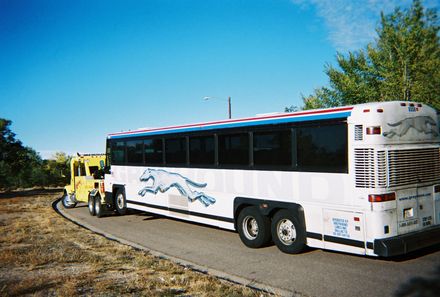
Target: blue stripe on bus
240, 124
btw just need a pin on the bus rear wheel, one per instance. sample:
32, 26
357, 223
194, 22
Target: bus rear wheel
91, 205
253, 227
287, 234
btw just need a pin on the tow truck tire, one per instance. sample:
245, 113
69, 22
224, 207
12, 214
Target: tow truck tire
253, 227
91, 205
121, 202
99, 209
287, 233
66, 202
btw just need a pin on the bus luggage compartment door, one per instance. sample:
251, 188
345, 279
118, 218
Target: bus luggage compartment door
344, 230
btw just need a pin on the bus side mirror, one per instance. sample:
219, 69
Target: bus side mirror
101, 164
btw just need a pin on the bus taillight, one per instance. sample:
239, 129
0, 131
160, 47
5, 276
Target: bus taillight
375, 130
381, 197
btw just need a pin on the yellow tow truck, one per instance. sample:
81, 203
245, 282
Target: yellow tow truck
86, 183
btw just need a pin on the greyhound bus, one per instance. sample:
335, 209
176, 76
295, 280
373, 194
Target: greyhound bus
362, 179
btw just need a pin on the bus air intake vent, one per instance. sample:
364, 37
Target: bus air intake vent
358, 132
381, 169
414, 166
364, 168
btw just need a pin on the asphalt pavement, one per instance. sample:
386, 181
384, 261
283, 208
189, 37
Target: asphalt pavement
220, 252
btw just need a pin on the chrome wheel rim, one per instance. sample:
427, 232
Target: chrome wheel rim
250, 227
286, 231
90, 204
97, 205
120, 201
67, 201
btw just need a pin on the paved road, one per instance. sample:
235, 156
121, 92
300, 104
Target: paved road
312, 273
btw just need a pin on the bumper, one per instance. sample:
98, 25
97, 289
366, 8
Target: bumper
406, 243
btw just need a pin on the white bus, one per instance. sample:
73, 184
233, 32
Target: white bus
362, 179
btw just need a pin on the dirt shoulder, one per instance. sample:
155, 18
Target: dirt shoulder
43, 254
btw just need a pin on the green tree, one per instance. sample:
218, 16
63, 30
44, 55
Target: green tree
402, 64
22, 166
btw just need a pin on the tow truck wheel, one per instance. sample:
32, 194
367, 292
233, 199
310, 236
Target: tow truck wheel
67, 202
99, 211
91, 205
121, 203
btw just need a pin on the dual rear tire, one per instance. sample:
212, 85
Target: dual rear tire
256, 230
95, 206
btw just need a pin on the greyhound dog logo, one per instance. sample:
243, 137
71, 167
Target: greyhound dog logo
163, 181
423, 124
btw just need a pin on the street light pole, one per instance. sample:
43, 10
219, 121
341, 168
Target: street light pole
229, 103
229, 107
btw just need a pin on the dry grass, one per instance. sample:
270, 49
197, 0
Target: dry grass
43, 254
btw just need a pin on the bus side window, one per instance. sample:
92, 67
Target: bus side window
118, 153
272, 148
175, 150
323, 148
201, 150
153, 151
233, 149
135, 152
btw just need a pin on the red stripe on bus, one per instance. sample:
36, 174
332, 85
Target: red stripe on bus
236, 121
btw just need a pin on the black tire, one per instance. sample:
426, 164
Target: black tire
287, 233
65, 201
99, 208
120, 202
91, 205
253, 227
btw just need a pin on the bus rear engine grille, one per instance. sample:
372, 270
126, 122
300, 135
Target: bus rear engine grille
364, 168
394, 168
415, 166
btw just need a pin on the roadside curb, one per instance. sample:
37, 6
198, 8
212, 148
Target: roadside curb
199, 268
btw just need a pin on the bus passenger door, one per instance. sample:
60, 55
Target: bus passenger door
344, 231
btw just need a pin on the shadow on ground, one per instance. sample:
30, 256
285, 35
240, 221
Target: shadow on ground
29, 192
421, 286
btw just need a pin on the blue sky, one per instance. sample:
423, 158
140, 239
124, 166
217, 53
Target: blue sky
73, 71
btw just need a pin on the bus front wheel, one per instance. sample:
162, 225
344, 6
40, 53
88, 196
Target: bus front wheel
287, 234
121, 203
253, 227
